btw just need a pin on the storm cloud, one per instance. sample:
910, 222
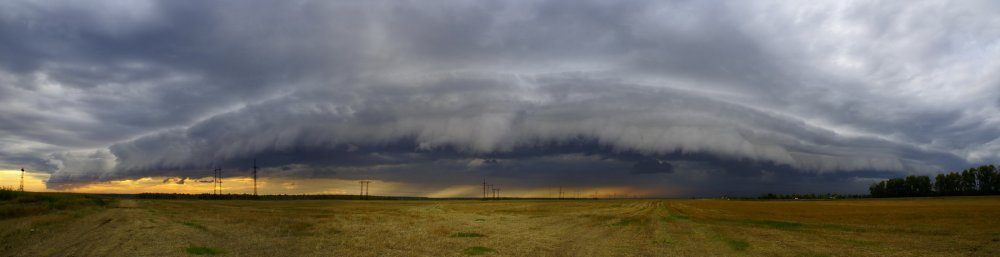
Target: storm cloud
707, 97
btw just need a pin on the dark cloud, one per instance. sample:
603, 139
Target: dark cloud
710, 97
652, 166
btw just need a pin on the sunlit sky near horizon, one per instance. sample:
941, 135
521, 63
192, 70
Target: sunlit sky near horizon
428, 98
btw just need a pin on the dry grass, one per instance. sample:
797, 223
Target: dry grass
962, 226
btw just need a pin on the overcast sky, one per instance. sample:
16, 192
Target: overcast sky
667, 98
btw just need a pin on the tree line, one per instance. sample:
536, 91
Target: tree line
982, 180
771, 196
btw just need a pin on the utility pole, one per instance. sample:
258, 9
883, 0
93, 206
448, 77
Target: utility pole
367, 187
254, 177
21, 187
364, 189
560, 193
484, 189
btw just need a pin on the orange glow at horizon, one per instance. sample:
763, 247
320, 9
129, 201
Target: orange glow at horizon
244, 185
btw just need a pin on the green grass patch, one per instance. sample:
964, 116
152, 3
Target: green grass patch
778, 224
738, 245
840, 227
675, 216
784, 225
467, 234
200, 250
193, 225
478, 250
629, 221
301, 229
735, 244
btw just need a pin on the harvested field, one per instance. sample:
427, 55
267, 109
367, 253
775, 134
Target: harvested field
958, 226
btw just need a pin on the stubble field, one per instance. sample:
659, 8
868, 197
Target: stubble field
958, 226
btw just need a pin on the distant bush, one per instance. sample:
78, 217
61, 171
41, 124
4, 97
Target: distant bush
7, 193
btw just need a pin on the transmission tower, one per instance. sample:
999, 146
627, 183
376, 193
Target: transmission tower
254, 177
217, 181
364, 189
21, 187
484, 189
220, 181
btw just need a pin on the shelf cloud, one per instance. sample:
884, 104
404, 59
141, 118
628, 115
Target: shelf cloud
706, 97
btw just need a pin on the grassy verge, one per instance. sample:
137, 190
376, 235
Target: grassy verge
15, 204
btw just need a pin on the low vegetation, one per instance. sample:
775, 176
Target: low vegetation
466, 234
478, 250
200, 250
15, 204
738, 245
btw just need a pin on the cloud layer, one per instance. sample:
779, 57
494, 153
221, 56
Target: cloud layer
740, 97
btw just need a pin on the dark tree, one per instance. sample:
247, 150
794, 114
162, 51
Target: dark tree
941, 184
955, 183
986, 175
969, 186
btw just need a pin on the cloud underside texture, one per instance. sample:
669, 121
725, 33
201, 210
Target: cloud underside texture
710, 97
